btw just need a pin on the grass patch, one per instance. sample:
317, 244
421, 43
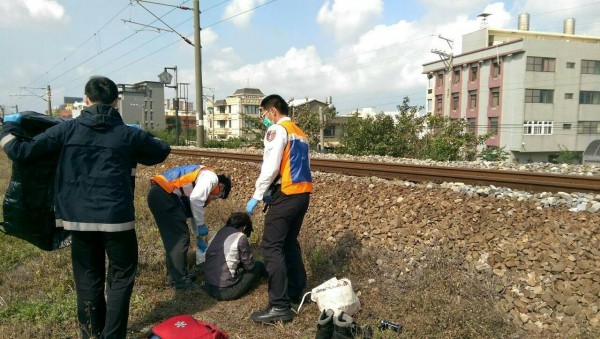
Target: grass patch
441, 299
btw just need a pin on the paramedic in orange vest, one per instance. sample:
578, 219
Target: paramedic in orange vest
285, 184
175, 195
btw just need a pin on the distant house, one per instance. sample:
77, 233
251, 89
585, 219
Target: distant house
536, 91
225, 117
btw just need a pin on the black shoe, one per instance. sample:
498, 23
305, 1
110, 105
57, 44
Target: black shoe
325, 325
169, 281
344, 327
186, 284
272, 314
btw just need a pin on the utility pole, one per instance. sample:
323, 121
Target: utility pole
49, 94
165, 78
321, 131
448, 60
198, 67
28, 89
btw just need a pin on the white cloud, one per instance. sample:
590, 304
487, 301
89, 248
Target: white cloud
19, 13
346, 19
240, 6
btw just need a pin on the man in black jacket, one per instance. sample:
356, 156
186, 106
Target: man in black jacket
229, 270
94, 194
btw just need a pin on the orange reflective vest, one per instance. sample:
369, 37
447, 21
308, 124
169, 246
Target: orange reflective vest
295, 163
178, 177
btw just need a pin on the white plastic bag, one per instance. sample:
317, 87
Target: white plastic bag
336, 295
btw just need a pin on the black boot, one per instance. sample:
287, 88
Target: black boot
344, 327
325, 325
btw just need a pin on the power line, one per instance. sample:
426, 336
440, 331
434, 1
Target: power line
81, 45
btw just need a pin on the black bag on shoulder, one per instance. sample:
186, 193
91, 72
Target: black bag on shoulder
28, 206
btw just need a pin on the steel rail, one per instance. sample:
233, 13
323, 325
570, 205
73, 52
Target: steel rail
518, 180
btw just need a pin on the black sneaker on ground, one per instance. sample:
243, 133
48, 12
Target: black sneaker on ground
169, 281
186, 284
273, 314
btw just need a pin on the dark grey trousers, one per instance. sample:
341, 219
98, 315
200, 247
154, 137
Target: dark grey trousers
174, 232
247, 281
281, 250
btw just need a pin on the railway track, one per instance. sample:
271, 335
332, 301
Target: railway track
518, 180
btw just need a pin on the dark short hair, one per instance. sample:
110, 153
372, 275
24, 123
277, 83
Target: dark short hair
102, 90
276, 101
223, 179
239, 220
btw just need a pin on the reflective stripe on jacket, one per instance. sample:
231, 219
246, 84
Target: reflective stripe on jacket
295, 163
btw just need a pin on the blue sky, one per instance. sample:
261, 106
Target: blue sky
362, 53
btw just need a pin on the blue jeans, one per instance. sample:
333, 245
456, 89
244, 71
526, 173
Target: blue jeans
99, 317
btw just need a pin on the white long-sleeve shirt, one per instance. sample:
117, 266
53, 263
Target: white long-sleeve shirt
275, 141
205, 182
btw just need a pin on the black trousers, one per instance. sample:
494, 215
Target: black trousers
99, 317
281, 250
247, 281
174, 232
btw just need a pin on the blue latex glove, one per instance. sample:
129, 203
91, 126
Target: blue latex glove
202, 230
251, 205
135, 126
266, 198
13, 118
201, 245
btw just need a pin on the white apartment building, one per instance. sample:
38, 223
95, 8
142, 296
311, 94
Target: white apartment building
539, 92
225, 117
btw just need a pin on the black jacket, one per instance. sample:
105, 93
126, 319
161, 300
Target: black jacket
96, 154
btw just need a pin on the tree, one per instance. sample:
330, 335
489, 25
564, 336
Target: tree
308, 120
411, 135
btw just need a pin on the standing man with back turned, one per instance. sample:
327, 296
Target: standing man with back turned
285, 177
94, 200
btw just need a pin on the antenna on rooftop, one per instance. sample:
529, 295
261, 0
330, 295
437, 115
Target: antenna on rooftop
483, 16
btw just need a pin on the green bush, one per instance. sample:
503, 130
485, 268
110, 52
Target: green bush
566, 157
491, 153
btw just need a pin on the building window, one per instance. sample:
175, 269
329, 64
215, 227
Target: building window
440, 80
589, 98
570, 65
251, 109
537, 127
455, 101
472, 99
568, 95
429, 105
566, 126
471, 125
538, 64
329, 132
543, 96
493, 125
495, 96
221, 123
588, 127
456, 78
438, 103
590, 67
473, 76
496, 70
